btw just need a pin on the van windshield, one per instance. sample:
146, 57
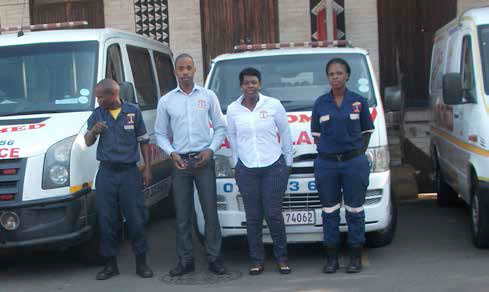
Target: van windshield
296, 80
484, 47
47, 78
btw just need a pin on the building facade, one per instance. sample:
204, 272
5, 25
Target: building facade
185, 24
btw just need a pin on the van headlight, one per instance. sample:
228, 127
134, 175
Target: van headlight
378, 158
56, 171
223, 166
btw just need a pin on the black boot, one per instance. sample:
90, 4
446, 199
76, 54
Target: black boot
355, 265
331, 260
110, 270
142, 268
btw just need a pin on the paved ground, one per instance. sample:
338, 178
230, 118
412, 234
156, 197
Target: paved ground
431, 252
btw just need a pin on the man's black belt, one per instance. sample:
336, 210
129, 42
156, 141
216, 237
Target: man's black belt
340, 156
117, 166
190, 155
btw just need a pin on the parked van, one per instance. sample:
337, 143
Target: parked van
295, 74
47, 172
459, 90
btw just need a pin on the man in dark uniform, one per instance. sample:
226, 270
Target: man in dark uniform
341, 121
119, 183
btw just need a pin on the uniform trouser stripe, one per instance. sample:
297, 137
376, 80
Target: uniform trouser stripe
331, 209
354, 210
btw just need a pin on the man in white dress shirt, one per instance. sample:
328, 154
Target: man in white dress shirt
185, 114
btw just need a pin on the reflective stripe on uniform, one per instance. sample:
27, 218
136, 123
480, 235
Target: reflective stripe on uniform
315, 134
143, 138
354, 210
331, 209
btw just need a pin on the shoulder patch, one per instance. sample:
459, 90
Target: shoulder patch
356, 107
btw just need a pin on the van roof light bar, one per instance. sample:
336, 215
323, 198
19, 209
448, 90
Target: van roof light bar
320, 44
45, 26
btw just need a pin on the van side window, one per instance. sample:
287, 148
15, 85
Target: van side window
467, 68
114, 68
164, 70
144, 80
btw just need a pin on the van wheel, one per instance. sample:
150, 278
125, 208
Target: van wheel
446, 196
479, 218
385, 236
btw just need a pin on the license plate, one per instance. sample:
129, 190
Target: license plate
299, 217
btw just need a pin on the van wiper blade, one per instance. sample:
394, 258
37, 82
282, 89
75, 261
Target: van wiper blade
300, 108
21, 113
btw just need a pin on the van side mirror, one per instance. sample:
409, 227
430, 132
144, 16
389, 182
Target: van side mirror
127, 92
452, 88
393, 98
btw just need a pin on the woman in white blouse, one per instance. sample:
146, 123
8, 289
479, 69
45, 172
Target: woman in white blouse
261, 142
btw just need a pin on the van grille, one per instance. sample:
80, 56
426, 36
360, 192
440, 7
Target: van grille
11, 177
310, 201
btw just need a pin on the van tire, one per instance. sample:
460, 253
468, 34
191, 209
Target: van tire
446, 195
385, 236
479, 215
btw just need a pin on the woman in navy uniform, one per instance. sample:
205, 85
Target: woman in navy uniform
342, 125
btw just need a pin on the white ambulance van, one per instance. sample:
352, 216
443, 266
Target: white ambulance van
47, 172
295, 74
459, 90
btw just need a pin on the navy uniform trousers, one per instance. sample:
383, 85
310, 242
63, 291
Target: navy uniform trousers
350, 179
120, 189
263, 191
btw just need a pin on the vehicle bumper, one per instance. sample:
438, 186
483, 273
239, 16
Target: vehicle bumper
233, 220
50, 223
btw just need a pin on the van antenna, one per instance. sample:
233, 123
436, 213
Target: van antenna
21, 33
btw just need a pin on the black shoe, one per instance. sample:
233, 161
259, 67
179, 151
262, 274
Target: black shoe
284, 269
217, 267
355, 265
182, 269
256, 269
142, 268
331, 261
110, 270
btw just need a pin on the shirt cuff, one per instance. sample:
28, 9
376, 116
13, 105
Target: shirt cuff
288, 160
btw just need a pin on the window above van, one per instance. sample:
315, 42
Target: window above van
47, 78
296, 80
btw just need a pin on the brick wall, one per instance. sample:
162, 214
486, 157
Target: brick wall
11, 13
465, 4
294, 21
119, 14
185, 32
362, 27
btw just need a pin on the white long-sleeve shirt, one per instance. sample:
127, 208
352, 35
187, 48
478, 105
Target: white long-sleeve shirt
253, 134
187, 118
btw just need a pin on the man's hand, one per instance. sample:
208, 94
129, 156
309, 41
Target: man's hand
204, 157
147, 175
178, 161
99, 127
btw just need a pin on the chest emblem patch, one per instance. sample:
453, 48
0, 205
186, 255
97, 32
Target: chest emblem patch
263, 114
201, 104
129, 124
356, 107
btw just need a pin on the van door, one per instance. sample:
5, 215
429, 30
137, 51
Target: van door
468, 115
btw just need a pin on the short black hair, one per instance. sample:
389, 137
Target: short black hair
250, 71
338, 61
108, 87
183, 55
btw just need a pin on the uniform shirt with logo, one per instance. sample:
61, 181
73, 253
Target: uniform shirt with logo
340, 129
259, 137
120, 140
183, 123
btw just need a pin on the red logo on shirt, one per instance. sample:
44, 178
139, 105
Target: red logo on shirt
201, 104
263, 114
356, 107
